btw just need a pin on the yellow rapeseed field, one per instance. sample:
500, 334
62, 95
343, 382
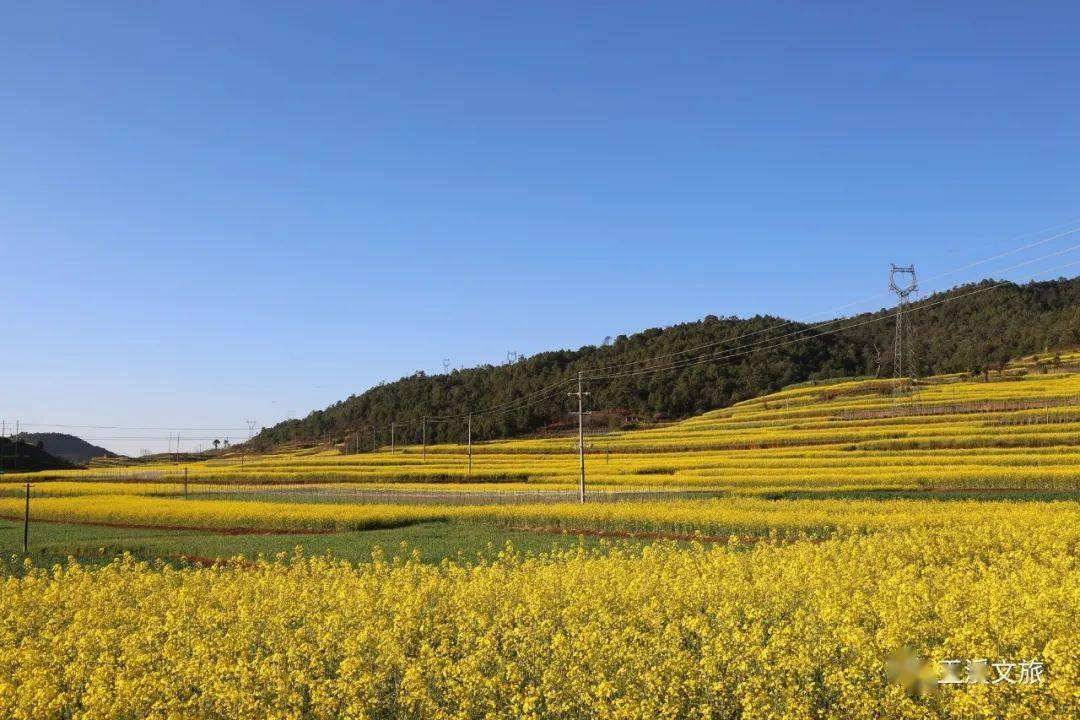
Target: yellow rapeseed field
713, 517
793, 630
778, 609
1019, 430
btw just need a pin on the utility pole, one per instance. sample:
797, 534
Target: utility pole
327, 439
903, 291
391, 438
26, 523
580, 431
373, 441
423, 434
470, 445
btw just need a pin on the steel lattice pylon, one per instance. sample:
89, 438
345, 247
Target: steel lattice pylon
903, 293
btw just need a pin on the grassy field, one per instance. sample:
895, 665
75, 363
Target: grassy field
431, 542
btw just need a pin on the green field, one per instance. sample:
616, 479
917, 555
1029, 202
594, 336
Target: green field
432, 542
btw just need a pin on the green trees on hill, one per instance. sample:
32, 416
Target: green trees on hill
970, 331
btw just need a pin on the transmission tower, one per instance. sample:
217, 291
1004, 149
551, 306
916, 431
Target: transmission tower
251, 427
903, 282
446, 366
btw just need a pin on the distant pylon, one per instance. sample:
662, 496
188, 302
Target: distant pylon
903, 292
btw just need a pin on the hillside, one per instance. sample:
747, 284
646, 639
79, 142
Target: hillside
974, 332
26, 456
67, 447
955, 432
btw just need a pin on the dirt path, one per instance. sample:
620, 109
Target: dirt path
633, 535
207, 530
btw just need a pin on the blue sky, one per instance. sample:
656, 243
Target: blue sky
213, 212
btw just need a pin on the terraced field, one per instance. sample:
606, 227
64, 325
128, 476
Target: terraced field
1018, 430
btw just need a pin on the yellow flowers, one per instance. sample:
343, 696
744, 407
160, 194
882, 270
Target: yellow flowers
1020, 432
716, 517
783, 609
798, 630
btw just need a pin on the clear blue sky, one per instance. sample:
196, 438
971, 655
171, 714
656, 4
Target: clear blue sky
212, 212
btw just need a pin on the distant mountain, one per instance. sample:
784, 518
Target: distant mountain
66, 447
686, 369
23, 456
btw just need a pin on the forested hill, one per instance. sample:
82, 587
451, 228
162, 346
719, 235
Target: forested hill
973, 332
23, 456
67, 447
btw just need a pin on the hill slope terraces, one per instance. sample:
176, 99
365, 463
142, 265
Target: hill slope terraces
947, 432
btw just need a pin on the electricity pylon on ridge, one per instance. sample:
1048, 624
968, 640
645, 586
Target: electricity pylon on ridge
903, 282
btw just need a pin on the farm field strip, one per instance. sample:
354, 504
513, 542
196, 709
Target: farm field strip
708, 516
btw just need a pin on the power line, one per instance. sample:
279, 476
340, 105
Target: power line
554, 389
785, 323
170, 438
545, 393
509, 405
132, 427
751, 348
1007, 253
811, 328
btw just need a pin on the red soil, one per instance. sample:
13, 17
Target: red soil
634, 535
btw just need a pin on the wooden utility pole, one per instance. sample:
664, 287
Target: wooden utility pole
423, 434
26, 523
470, 445
581, 431
391, 438
373, 448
